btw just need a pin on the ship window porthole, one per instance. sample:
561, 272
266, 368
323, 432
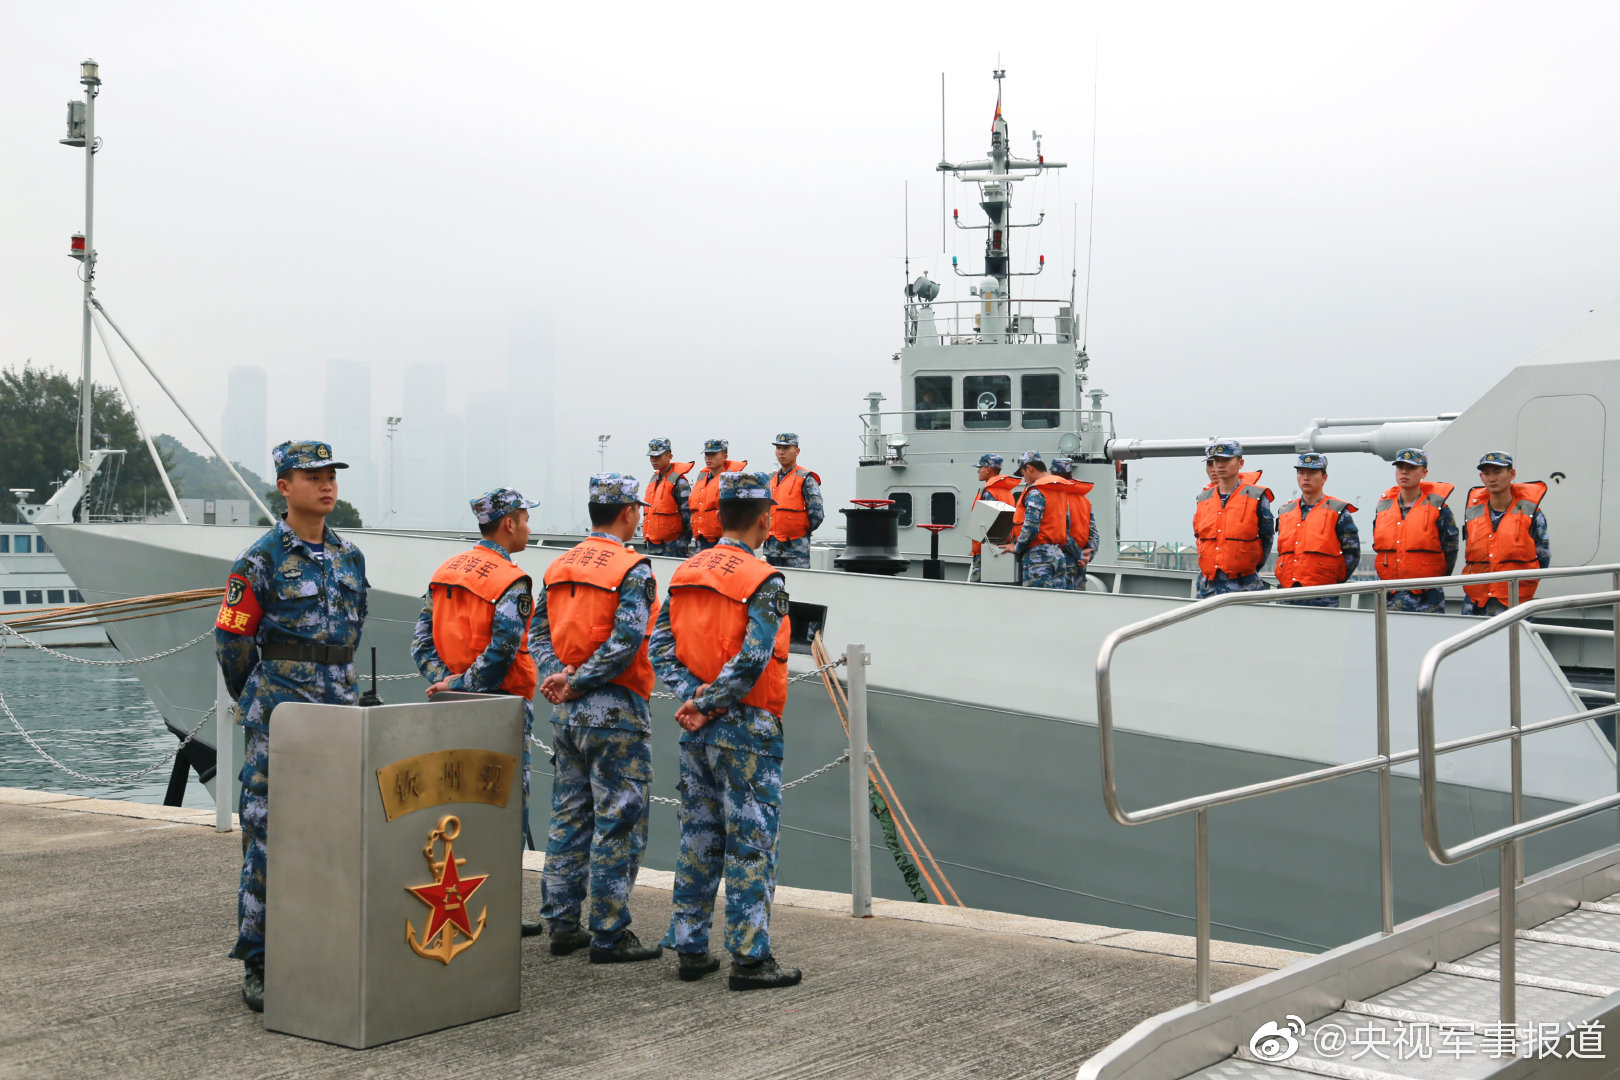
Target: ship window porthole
986, 401
1039, 402
933, 402
35, 596
55, 596
902, 503
22, 545
5, 543
11, 596
75, 596
942, 508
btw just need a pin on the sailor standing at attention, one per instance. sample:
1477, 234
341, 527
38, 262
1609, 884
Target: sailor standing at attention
1080, 547
798, 511
294, 604
1043, 526
1317, 541
473, 631
667, 527
994, 487
590, 634
1414, 533
1505, 530
705, 500
1233, 524
722, 645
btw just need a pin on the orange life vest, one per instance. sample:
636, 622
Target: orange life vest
708, 614
998, 489
582, 599
1229, 536
1054, 516
705, 501
1507, 547
1408, 545
1308, 550
789, 519
663, 521
1079, 509
464, 615
1243, 478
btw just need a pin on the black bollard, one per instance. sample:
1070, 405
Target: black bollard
872, 539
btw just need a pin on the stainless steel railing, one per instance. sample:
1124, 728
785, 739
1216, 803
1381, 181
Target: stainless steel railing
1381, 762
1508, 841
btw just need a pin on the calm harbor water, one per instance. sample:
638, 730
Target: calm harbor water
97, 720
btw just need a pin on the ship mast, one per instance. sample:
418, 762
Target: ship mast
82, 132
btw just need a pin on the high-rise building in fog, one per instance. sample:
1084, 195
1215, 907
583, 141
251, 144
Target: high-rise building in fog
422, 499
530, 352
242, 429
348, 428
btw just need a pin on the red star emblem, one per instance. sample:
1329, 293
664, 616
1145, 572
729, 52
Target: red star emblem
448, 897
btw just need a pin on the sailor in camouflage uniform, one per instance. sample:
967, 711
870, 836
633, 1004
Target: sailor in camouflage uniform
1415, 533
1077, 558
294, 604
1304, 556
1042, 564
798, 511
1233, 523
591, 626
731, 746
994, 487
667, 525
505, 665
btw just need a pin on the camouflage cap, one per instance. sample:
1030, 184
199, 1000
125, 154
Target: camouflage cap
1412, 456
787, 438
491, 506
1223, 448
1311, 460
1063, 466
615, 489
1496, 457
745, 485
658, 446
989, 461
304, 454
716, 446
1031, 457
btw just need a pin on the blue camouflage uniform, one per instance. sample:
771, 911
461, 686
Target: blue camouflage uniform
511, 617
1450, 544
1042, 566
1538, 529
601, 757
992, 461
1344, 529
312, 596
1266, 531
1075, 557
796, 553
676, 548
731, 775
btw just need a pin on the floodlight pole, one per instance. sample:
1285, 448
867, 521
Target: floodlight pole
89, 75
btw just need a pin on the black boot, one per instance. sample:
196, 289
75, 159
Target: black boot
763, 974
568, 938
627, 950
534, 929
253, 988
696, 965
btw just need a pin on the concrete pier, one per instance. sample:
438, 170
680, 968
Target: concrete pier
115, 919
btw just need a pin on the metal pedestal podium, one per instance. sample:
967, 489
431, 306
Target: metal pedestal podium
394, 889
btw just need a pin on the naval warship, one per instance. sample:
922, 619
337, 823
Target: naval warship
981, 699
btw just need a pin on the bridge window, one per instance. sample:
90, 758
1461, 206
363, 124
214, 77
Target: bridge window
1040, 400
987, 401
11, 596
942, 508
5, 543
75, 596
22, 545
39, 545
902, 503
35, 596
933, 402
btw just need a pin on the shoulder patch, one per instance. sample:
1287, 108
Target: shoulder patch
525, 605
781, 603
240, 611
651, 589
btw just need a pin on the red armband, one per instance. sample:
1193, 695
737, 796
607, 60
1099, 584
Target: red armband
240, 613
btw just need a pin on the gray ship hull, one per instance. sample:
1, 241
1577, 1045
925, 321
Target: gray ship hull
987, 731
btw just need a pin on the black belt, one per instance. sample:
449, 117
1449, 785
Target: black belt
319, 654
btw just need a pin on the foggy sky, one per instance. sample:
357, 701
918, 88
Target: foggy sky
1300, 211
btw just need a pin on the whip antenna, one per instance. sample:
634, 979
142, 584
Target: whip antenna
942, 244
1091, 210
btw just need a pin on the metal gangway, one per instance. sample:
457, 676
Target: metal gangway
1514, 982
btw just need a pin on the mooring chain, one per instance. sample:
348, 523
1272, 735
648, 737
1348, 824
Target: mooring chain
32, 644
801, 677
109, 780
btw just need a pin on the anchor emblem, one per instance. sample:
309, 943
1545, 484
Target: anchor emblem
447, 898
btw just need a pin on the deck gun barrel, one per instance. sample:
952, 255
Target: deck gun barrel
1388, 438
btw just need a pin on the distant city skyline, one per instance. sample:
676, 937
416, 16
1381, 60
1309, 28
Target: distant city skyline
244, 426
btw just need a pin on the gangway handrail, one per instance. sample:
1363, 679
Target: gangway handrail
1507, 841
1381, 762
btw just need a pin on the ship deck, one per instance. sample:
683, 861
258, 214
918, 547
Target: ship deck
118, 917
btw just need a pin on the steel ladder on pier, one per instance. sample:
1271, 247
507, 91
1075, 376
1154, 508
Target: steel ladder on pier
1521, 981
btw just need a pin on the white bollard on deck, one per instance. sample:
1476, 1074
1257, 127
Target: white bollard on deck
225, 768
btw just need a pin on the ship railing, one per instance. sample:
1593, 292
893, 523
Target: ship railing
1093, 427
1381, 762
1507, 842
990, 322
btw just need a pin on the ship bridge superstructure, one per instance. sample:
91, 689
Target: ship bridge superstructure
995, 373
